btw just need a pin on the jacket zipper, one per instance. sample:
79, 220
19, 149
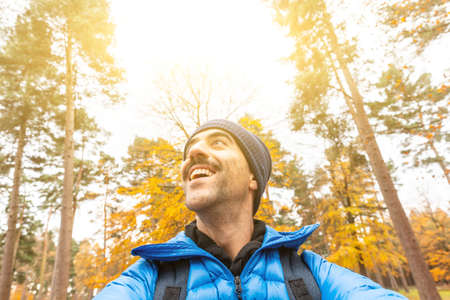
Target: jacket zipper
238, 289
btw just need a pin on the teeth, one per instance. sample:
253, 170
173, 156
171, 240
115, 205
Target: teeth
198, 172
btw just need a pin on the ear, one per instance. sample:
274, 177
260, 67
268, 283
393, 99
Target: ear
253, 184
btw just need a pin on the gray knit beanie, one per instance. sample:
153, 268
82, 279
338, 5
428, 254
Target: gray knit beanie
255, 151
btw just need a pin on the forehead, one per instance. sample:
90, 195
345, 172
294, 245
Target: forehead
209, 134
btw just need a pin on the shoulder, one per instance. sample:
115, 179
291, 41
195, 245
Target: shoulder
136, 282
336, 282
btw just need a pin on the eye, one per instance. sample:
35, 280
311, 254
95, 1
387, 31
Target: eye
218, 142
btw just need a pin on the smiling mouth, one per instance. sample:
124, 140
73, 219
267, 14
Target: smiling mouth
200, 173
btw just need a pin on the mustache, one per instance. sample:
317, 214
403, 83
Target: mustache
200, 160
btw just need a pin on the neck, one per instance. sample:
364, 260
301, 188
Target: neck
230, 232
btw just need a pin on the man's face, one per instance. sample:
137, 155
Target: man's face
215, 171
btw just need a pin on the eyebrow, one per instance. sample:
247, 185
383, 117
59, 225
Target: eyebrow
210, 136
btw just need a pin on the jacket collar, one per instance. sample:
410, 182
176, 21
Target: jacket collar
182, 247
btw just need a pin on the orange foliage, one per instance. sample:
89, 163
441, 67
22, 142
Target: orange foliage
284, 172
433, 229
356, 236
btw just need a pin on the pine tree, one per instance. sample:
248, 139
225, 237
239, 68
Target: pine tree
27, 55
416, 111
81, 33
322, 60
418, 22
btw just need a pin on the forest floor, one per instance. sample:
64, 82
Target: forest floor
413, 294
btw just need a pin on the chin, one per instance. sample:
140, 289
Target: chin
198, 203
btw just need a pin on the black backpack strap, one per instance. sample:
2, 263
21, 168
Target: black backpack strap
172, 280
298, 278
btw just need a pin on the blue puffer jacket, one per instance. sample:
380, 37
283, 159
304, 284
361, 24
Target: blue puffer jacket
262, 277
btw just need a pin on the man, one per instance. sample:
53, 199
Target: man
227, 254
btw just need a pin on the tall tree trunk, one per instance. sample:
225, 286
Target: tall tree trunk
91, 294
105, 229
19, 233
347, 202
422, 277
394, 284
403, 278
24, 295
378, 276
60, 278
420, 271
11, 233
44, 257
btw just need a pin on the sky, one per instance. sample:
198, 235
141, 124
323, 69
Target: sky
234, 40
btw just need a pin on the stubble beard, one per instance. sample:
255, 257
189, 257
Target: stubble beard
208, 198
218, 196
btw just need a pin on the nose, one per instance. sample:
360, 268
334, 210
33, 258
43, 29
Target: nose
197, 152
199, 149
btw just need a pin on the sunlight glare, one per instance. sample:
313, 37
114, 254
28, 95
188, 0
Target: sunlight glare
199, 31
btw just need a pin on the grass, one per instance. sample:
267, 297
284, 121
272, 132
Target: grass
413, 294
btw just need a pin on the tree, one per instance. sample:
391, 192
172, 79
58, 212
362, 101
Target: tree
418, 22
87, 264
82, 32
43, 275
416, 25
27, 55
25, 254
149, 183
156, 185
286, 174
341, 196
190, 98
323, 60
356, 236
415, 110
432, 226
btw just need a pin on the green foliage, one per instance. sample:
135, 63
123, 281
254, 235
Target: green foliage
310, 26
88, 26
27, 55
32, 77
418, 22
415, 110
